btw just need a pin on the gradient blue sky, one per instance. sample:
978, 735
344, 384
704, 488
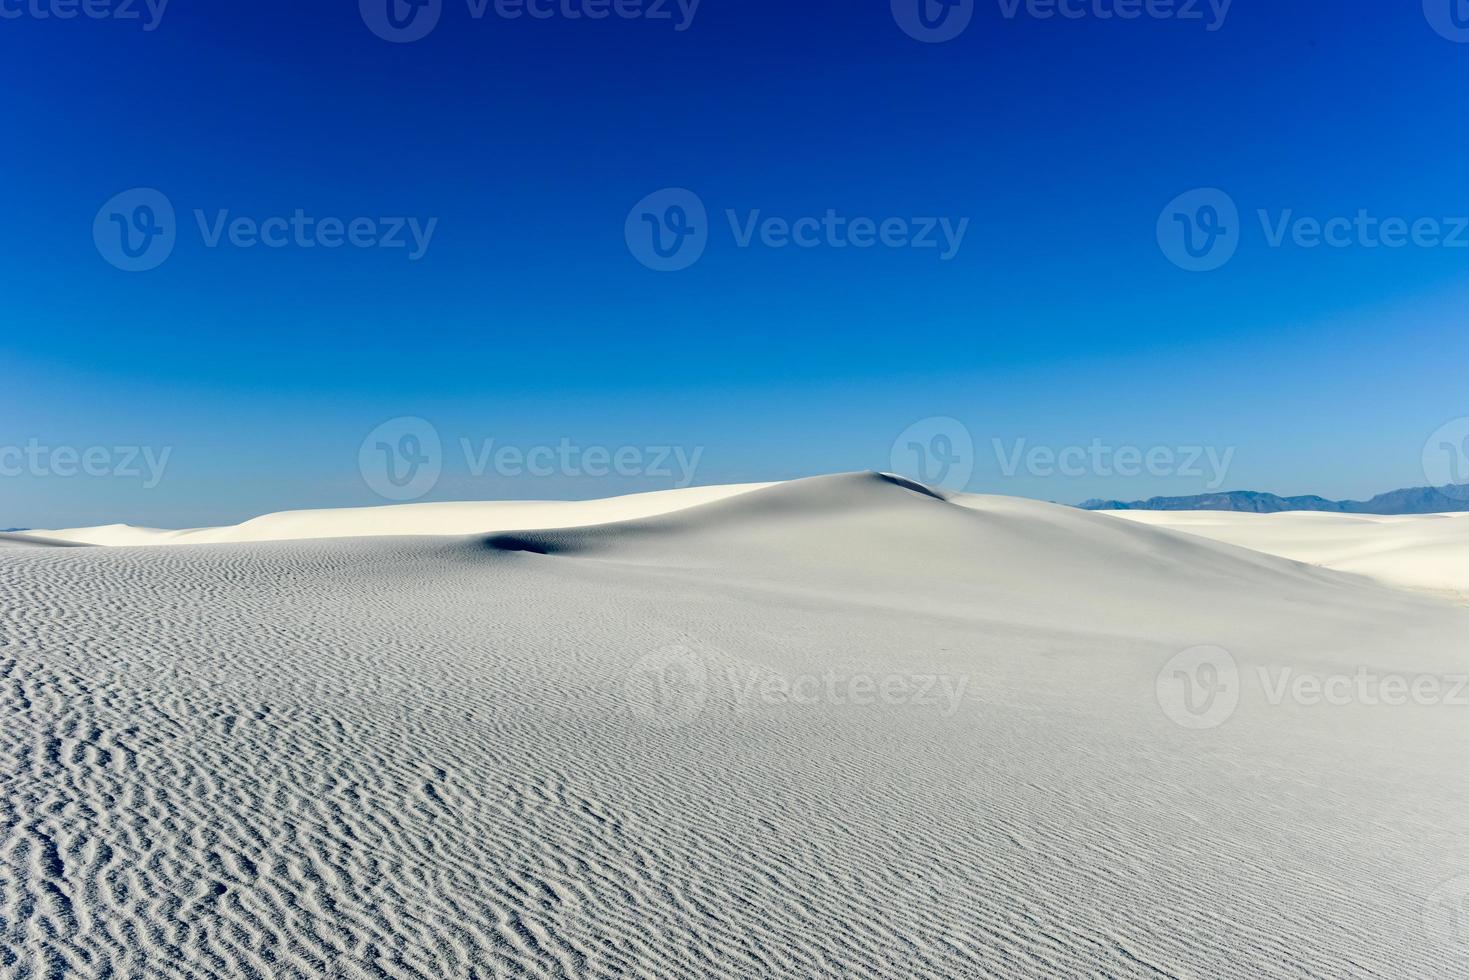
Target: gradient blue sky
528, 321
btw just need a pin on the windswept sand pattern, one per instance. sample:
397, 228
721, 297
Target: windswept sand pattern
420, 758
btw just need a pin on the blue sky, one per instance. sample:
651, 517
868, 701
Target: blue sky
529, 319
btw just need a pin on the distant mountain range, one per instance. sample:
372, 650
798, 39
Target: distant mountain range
1414, 500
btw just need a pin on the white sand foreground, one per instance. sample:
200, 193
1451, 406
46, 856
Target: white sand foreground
839, 727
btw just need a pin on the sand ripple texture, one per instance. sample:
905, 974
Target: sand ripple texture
567, 755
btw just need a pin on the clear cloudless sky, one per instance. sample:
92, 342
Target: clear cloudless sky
529, 320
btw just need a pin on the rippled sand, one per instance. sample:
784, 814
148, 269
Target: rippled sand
832, 728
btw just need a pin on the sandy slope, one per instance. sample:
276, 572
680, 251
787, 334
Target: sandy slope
29, 540
1428, 551
406, 519
654, 749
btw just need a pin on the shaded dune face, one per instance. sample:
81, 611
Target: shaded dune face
660, 748
8, 540
544, 544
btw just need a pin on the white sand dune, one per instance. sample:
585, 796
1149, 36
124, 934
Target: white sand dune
838, 727
31, 540
1419, 551
412, 519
